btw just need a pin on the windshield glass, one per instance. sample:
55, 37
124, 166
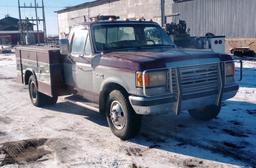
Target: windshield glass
123, 36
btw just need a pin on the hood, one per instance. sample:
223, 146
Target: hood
157, 58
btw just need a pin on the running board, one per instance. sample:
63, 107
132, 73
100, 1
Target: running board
78, 100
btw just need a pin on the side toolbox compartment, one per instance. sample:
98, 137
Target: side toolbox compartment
46, 64
56, 74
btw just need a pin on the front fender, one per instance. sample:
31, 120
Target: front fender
115, 81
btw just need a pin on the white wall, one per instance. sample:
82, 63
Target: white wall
149, 9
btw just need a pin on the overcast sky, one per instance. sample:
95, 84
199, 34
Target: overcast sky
11, 7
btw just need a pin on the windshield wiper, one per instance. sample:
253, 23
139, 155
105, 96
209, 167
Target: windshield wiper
120, 49
157, 45
139, 47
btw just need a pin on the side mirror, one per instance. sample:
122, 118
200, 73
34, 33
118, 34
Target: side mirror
64, 46
95, 60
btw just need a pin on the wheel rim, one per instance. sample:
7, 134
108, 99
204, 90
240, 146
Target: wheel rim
33, 91
117, 115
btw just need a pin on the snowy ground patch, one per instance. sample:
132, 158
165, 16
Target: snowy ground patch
76, 137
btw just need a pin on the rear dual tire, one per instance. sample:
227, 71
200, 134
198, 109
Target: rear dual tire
37, 98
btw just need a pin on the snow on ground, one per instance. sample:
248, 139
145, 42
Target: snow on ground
66, 135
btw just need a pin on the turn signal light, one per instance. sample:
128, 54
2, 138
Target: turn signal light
139, 79
151, 79
230, 69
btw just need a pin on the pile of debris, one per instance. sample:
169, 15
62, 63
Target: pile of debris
22, 152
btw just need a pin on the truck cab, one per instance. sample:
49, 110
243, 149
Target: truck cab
127, 69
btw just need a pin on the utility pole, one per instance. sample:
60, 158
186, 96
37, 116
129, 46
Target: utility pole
20, 24
37, 23
27, 20
163, 19
44, 22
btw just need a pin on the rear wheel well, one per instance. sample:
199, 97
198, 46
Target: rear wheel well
27, 76
106, 91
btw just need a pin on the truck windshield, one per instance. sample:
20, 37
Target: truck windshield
125, 36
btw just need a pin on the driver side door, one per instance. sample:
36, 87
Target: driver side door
82, 70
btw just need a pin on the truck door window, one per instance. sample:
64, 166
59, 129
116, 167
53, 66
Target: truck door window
78, 42
88, 50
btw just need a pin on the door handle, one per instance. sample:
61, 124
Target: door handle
98, 75
84, 69
80, 68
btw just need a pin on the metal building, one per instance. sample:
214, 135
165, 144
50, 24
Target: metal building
10, 33
232, 18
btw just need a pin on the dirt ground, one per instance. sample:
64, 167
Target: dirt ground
66, 135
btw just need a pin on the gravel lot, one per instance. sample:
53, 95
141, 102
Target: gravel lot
66, 135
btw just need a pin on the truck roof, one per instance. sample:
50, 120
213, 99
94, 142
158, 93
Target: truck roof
106, 22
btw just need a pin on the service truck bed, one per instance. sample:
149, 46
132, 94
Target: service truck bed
43, 62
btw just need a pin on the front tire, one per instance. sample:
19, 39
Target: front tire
205, 114
37, 98
122, 120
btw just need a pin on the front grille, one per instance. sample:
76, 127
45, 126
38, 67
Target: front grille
197, 79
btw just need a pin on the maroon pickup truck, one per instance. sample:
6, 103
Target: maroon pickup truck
127, 69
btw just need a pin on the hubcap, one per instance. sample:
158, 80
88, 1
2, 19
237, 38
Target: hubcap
117, 116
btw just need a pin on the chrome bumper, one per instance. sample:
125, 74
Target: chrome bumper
162, 105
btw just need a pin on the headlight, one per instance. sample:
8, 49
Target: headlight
230, 69
151, 79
